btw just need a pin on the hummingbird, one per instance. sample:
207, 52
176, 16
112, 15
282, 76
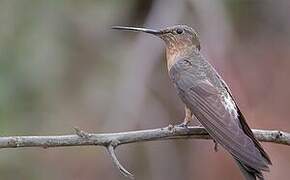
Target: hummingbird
208, 98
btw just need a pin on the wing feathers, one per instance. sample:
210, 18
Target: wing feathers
208, 105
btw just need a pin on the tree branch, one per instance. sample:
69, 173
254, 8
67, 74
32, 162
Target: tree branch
112, 140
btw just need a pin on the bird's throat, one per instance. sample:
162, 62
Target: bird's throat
172, 56
171, 60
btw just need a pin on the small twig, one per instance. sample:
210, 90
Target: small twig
111, 151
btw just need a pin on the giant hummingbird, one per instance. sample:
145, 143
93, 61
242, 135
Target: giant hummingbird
208, 99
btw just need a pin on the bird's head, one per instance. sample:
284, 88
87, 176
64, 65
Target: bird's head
178, 38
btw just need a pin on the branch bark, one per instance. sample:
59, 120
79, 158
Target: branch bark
112, 140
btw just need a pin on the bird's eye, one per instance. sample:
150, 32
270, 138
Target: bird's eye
179, 31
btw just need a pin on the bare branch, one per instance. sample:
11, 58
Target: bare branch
273, 136
112, 140
104, 139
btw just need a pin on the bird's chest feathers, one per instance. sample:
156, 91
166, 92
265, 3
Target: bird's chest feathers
177, 52
171, 59
173, 55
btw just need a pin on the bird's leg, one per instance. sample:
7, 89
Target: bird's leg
188, 116
187, 119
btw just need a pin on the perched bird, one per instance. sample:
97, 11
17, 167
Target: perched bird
207, 97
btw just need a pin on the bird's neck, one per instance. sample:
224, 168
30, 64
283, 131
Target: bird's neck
174, 54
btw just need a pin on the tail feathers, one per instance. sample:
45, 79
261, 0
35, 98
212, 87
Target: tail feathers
249, 173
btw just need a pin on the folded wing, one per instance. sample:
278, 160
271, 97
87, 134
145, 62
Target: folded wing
209, 106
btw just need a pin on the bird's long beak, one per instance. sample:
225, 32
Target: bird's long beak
150, 31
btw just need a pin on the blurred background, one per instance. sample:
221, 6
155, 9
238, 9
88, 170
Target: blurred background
62, 66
